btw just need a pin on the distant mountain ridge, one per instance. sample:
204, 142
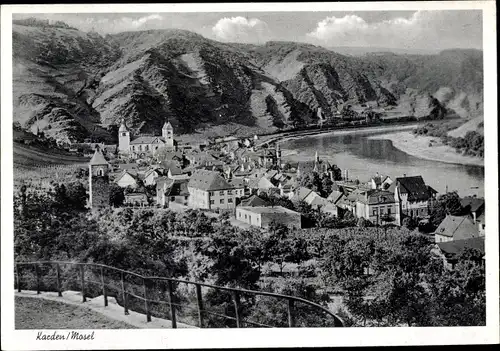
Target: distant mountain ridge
73, 85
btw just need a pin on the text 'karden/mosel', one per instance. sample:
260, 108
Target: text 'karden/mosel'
65, 336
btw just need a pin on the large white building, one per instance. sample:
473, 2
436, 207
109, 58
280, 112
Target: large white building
146, 144
209, 190
264, 216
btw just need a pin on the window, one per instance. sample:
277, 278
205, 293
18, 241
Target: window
211, 202
221, 201
172, 198
239, 214
211, 193
381, 210
374, 211
229, 192
221, 193
230, 201
124, 134
245, 216
185, 197
389, 211
100, 172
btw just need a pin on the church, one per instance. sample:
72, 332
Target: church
146, 144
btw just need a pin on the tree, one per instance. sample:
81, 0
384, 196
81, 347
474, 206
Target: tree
311, 181
116, 195
409, 222
448, 203
326, 185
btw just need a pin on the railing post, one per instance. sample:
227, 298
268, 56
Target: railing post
18, 278
236, 302
37, 270
82, 281
58, 277
171, 302
291, 313
124, 295
146, 306
104, 292
200, 304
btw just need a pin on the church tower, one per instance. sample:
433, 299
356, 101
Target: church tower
167, 132
98, 181
123, 138
278, 155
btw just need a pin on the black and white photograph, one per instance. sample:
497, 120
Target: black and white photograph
216, 169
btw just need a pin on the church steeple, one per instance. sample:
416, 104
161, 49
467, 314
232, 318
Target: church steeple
167, 132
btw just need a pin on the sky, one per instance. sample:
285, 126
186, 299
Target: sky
426, 30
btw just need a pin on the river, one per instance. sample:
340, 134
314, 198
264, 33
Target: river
364, 157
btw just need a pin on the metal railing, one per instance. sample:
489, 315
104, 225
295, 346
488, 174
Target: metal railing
141, 290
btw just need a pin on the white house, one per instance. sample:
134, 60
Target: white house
126, 179
264, 216
209, 190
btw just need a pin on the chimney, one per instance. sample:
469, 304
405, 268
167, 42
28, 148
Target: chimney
346, 175
404, 175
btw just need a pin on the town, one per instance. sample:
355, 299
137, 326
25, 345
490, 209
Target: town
251, 182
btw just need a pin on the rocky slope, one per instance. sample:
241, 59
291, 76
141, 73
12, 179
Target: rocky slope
74, 85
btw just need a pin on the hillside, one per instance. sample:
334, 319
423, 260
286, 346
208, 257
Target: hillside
74, 85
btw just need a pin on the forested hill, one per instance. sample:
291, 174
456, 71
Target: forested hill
73, 84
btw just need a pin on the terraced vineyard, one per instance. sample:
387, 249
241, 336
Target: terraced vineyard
37, 168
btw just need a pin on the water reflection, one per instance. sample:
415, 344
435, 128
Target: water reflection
364, 157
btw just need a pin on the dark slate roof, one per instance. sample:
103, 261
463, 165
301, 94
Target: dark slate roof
147, 140
128, 166
301, 193
253, 201
481, 218
237, 182
98, 159
457, 227
473, 204
335, 196
455, 247
208, 180
415, 188
375, 197
178, 188
172, 167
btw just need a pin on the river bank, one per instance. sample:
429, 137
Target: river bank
418, 146
375, 130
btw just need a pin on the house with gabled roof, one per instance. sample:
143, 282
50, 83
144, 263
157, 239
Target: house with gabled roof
378, 206
456, 228
452, 250
253, 201
380, 182
413, 195
127, 178
172, 190
474, 206
151, 175
209, 190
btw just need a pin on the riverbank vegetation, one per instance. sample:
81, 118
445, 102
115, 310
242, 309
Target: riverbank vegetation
472, 144
388, 276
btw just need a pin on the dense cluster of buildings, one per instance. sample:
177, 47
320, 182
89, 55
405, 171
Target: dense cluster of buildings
231, 174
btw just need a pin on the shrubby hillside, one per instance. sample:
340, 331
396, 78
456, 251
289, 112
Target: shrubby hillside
74, 85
